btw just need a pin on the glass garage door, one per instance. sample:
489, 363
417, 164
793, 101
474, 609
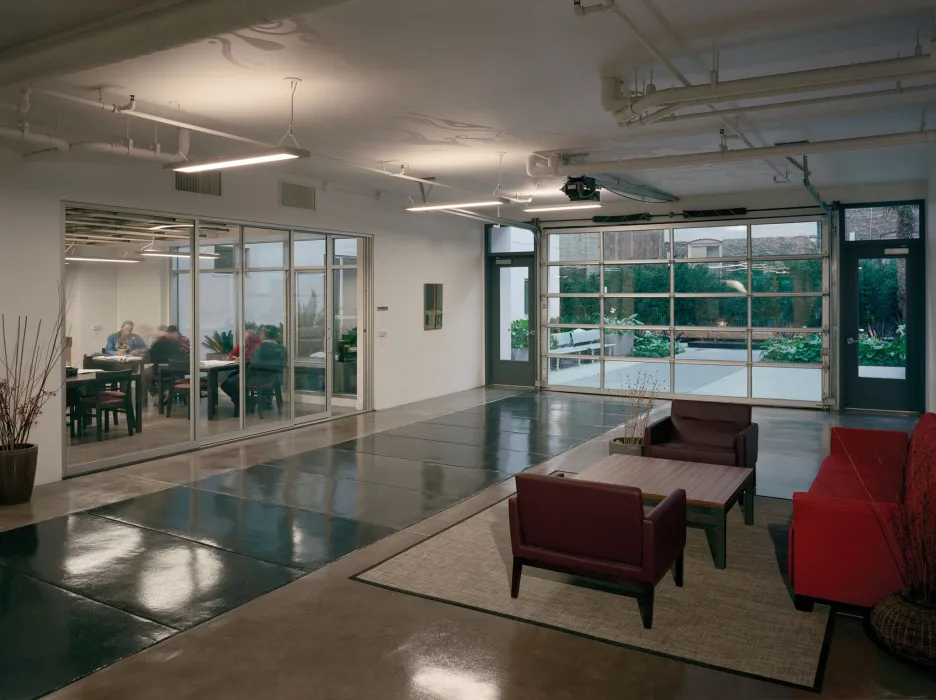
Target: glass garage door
732, 312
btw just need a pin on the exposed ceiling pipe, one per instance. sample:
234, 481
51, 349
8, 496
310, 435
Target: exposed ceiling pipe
140, 32
609, 5
124, 149
103, 106
254, 142
730, 156
788, 83
895, 92
24, 135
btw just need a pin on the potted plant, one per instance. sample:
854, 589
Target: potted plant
628, 439
904, 622
346, 363
220, 344
27, 361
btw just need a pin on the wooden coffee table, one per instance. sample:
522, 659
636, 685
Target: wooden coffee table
711, 490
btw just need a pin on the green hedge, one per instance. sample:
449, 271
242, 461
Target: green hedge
807, 349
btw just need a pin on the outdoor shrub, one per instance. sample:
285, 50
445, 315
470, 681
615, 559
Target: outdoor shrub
653, 345
802, 349
883, 353
519, 333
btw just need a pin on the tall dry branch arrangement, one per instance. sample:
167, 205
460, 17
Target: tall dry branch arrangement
29, 355
911, 524
643, 391
914, 524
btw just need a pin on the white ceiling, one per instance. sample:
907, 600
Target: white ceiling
445, 87
31, 20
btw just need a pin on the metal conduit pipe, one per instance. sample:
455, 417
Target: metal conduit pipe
150, 117
125, 150
781, 151
787, 83
140, 32
669, 117
42, 140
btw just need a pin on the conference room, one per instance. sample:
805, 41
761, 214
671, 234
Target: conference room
276, 340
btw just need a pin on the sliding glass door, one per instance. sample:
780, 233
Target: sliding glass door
227, 329
311, 301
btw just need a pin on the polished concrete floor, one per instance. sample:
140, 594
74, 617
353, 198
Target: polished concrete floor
211, 563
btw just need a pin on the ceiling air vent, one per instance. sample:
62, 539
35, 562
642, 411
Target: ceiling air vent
297, 196
621, 219
710, 213
199, 183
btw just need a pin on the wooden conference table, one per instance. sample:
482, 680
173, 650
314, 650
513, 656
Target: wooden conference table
213, 369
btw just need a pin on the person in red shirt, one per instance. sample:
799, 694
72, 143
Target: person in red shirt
251, 343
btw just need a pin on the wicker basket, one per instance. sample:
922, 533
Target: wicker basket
907, 630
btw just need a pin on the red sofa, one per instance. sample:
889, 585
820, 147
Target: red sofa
841, 546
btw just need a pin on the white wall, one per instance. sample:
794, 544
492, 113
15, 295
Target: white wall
107, 295
409, 250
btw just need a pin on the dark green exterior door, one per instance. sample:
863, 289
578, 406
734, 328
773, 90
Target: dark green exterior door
511, 320
882, 334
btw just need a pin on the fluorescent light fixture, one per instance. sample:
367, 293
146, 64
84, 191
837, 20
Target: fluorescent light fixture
460, 205
564, 207
104, 260
160, 254
270, 156
166, 227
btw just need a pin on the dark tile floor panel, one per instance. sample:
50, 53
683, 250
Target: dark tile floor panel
534, 441
50, 637
558, 426
431, 477
171, 581
388, 506
80, 592
295, 538
468, 456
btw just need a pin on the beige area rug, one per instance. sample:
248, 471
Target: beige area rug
740, 619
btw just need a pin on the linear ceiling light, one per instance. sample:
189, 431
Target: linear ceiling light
460, 205
564, 207
104, 260
160, 254
270, 156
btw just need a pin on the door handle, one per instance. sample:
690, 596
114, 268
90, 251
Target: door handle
531, 332
850, 341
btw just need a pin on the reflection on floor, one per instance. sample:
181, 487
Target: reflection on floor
165, 546
249, 531
160, 430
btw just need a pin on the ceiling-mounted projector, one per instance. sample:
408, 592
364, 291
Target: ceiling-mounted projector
582, 189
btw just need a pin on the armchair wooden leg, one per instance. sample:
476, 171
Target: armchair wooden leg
515, 577
645, 605
803, 603
678, 568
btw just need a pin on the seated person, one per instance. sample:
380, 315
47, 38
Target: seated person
251, 343
125, 342
185, 345
167, 346
267, 361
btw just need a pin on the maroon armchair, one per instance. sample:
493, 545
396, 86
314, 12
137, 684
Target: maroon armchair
704, 431
597, 531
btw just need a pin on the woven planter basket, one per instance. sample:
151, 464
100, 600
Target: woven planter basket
907, 630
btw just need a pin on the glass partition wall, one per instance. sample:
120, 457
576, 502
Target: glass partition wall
264, 337
718, 311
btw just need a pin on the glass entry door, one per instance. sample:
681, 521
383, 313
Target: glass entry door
511, 339
882, 334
